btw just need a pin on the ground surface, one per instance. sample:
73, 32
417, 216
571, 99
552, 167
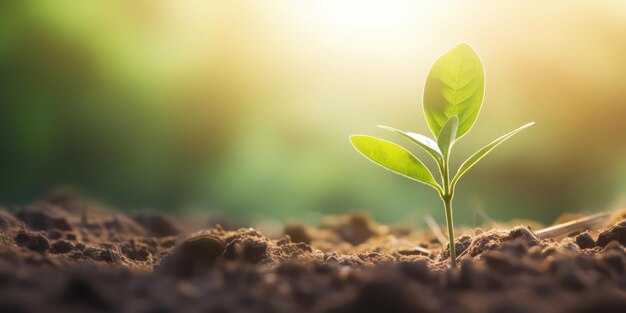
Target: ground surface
64, 255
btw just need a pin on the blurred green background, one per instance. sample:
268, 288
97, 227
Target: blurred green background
243, 108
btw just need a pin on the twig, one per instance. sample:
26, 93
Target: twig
578, 225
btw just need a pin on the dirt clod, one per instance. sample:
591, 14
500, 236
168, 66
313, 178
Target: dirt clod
196, 254
616, 232
61, 246
33, 241
495, 239
460, 245
585, 241
298, 233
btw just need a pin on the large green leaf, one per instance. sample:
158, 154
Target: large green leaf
394, 158
455, 86
484, 151
424, 142
447, 135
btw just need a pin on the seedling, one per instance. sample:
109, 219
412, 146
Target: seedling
453, 97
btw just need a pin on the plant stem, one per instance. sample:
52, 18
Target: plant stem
447, 201
447, 196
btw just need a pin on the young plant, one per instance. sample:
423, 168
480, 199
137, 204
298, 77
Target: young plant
453, 96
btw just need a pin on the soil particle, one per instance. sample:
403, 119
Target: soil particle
616, 232
585, 241
61, 246
33, 241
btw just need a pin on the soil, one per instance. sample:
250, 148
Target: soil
69, 255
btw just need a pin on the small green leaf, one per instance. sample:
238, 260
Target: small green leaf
424, 142
447, 135
482, 152
394, 158
455, 86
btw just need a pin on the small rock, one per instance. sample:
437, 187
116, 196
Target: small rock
584, 241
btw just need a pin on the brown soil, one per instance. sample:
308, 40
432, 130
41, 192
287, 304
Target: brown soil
63, 255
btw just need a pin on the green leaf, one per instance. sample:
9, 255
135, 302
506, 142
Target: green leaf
447, 135
482, 152
424, 142
394, 158
455, 86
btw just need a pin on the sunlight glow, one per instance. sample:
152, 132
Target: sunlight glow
371, 16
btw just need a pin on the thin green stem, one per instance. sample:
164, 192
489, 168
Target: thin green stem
446, 196
447, 201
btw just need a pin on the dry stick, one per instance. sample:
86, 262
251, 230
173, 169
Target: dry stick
422, 249
577, 225
434, 227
